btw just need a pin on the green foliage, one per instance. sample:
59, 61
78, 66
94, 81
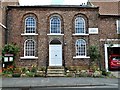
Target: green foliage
30, 74
38, 75
97, 74
105, 73
83, 73
10, 48
34, 69
70, 74
94, 53
42, 68
8, 70
16, 75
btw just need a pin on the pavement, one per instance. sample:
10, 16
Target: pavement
58, 82
116, 73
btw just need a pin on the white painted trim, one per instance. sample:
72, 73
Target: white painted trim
117, 24
80, 34
82, 23
106, 57
29, 57
25, 23
85, 46
109, 39
53, 34
81, 57
25, 47
52, 18
106, 54
29, 34
3, 26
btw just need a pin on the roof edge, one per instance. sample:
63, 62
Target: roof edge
54, 6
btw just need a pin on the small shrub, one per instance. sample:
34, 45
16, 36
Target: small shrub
89, 73
70, 75
34, 69
97, 74
23, 75
104, 72
83, 73
24, 70
42, 68
10, 48
30, 74
17, 70
38, 75
16, 75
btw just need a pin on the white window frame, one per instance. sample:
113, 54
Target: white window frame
25, 47
27, 56
118, 26
30, 26
57, 33
81, 56
79, 51
77, 19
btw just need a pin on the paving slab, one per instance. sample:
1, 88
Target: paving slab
57, 81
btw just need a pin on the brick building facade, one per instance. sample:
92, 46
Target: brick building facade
3, 5
61, 35
49, 41
109, 28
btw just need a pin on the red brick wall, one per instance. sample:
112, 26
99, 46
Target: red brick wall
108, 30
16, 27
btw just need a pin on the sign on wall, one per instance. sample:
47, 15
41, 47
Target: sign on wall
8, 58
93, 30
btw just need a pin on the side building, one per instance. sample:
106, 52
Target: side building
109, 27
3, 21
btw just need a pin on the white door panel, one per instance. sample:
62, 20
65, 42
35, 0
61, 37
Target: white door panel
55, 55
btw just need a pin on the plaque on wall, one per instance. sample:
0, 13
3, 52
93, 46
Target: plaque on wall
93, 30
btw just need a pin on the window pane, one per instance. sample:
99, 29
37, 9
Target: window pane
29, 48
55, 25
118, 26
30, 25
79, 25
80, 47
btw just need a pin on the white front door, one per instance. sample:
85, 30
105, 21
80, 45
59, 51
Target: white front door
55, 55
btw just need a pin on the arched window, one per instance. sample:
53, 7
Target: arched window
30, 25
80, 47
29, 48
79, 25
55, 25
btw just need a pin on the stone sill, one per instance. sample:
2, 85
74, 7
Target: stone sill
55, 34
81, 57
29, 34
31, 57
80, 34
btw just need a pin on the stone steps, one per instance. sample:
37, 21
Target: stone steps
55, 71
